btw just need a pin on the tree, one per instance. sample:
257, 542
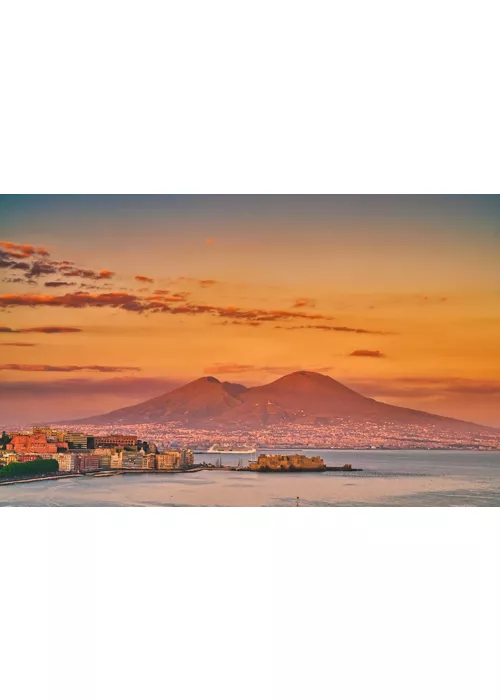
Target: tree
4, 440
33, 468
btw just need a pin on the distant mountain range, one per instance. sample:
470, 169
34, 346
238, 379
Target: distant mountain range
300, 398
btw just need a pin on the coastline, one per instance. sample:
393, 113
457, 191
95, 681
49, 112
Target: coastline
195, 469
69, 475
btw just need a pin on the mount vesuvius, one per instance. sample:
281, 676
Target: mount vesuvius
300, 398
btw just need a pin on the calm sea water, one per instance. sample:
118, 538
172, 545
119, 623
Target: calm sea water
390, 478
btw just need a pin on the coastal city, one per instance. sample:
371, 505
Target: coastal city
45, 452
171, 447
344, 434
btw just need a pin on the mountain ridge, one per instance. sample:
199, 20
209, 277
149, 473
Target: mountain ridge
299, 398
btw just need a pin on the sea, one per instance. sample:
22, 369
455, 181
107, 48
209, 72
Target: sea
389, 478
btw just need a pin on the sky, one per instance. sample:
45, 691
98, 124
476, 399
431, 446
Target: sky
109, 300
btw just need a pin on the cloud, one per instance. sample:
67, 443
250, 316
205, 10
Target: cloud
20, 266
12, 256
17, 280
367, 353
336, 329
24, 250
427, 387
39, 265
228, 369
142, 278
59, 284
132, 302
235, 368
209, 241
50, 329
301, 302
66, 368
140, 387
72, 300
71, 271
41, 329
174, 298
20, 345
207, 283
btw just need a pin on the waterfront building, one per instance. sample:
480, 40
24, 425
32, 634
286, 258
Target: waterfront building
104, 454
174, 459
116, 461
187, 458
286, 463
168, 460
66, 461
137, 460
85, 462
115, 440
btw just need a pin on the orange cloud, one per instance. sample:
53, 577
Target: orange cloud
50, 329
337, 329
71, 271
131, 302
20, 345
66, 368
143, 278
427, 387
207, 283
59, 284
23, 250
209, 241
304, 301
367, 353
235, 368
41, 329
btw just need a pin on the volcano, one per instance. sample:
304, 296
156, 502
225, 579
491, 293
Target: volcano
300, 398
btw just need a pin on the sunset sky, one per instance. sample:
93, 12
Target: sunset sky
109, 300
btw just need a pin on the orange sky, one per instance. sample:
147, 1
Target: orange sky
397, 297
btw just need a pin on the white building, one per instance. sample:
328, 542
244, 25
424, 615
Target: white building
66, 461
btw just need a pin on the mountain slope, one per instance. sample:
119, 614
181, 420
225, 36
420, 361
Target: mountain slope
300, 398
201, 400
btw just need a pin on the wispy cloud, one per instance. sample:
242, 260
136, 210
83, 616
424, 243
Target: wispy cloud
143, 278
207, 283
367, 353
132, 302
427, 387
59, 284
41, 329
336, 329
235, 368
20, 345
66, 368
301, 302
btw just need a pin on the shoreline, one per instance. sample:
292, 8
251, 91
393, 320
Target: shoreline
194, 470
68, 475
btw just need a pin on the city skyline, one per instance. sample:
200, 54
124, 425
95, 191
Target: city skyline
107, 301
